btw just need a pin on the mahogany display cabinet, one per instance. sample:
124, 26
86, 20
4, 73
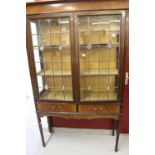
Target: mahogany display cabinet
76, 58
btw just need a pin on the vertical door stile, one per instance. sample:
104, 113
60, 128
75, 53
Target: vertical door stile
121, 58
76, 48
31, 59
73, 58
52, 48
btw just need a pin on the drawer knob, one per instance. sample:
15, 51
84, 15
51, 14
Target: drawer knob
59, 107
101, 108
53, 108
95, 109
56, 108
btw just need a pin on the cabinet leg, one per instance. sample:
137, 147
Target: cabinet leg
41, 131
49, 121
113, 127
117, 135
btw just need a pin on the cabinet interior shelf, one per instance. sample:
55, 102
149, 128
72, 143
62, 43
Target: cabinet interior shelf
54, 73
81, 31
99, 97
89, 96
101, 45
51, 46
114, 30
68, 73
49, 33
57, 89
93, 73
59, 95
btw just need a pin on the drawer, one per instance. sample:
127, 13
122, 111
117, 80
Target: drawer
112, 108
50, 107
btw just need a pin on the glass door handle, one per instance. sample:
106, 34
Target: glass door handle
126, 78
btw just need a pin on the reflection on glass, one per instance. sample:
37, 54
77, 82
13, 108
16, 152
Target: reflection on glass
34, 25
51, 47
35, 40
99, 41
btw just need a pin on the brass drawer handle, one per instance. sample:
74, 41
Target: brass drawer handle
53, 107
56, 108
95, 108
59, 107
98, 109
101, 108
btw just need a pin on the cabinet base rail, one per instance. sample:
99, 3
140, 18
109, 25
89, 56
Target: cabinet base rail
78, 113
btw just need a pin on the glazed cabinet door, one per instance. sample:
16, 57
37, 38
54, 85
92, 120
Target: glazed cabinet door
51, 52
100, 52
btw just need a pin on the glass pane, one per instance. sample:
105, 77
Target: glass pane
52, 56
94, 37
83, 24
115, 23
99, 41
46, 55
115, 29
55, 25
66, 55
114, 37
34, 26
44, 26
99, 23
84, 95
36, 54
103, 96
64, 24
59, 25
112, 96
45, 40
68, 95
35, 40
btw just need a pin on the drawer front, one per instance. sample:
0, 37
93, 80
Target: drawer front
50, 107
112, 108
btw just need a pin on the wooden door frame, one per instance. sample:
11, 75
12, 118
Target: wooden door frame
31, 55
122, 51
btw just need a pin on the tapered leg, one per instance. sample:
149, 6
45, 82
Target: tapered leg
113, 127
49, 121
41, 131
117, 135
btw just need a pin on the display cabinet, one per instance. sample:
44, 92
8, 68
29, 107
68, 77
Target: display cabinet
76, 61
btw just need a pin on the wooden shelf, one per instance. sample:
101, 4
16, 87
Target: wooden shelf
55, 73
114, 30
94, 73
51, 46
94, 45
58, 95
49, 33
92, 96
68, 73
67, 96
